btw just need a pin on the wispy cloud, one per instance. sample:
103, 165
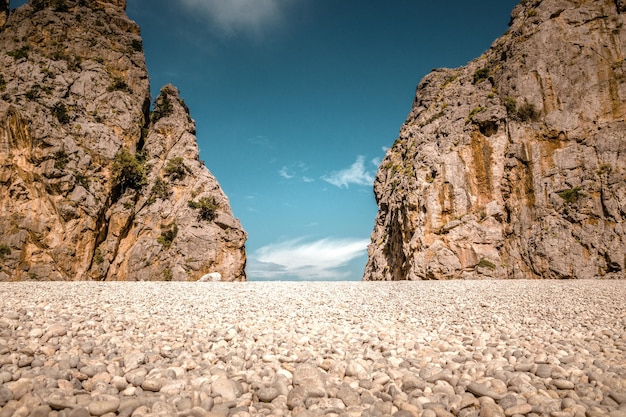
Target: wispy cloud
296, 171
240, 16
356, 174
286, 173
323, 259
260, 141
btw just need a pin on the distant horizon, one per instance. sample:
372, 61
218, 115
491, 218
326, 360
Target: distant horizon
296, 103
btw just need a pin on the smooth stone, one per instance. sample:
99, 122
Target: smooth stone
518, 409
489, 409
483, 391
618, 396
6, 395
133, 361
100, 408
355, 369
228, 389
468, 400
56, 330
173, 388
40, 411
439, 409
543, 371
59, 401
194, 412
136, 377
310, 377
153, 385
79, 412
267, 395
349, 396
443, 387
508, 401
220, 410
403, 413
411, 382
563, 413
563, 384
296, 397
523, 366
20, 388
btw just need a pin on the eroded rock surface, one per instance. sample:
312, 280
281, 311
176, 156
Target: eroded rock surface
514, 166
92, 184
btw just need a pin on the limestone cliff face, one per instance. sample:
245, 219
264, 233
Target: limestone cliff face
92, 184
514, 166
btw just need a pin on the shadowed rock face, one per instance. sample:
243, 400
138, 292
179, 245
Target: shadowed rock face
4, 11
514, 166
92, 184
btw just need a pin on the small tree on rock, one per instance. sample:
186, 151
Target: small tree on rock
129, 171
176, 169
207, 208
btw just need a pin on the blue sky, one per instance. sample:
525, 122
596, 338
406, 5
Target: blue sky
295, 103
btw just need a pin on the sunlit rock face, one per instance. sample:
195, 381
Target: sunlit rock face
514, 166
93, 185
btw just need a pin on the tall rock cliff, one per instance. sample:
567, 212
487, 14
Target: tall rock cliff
514, 166
92, 184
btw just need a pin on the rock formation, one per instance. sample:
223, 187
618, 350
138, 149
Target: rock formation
514, 166
92, 184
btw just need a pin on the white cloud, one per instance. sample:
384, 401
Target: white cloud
234, 16
295, 170
323, 259
355, 174
286, 173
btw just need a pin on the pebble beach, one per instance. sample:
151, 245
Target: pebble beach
349, 349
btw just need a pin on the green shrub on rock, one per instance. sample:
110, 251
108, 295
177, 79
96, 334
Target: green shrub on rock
118, 84
571, 195
168, 235
176, 169
98, 258
19, 53
207, 207
527, 111
61, 158
480, 75
129, 171
160, 190
4, 250
137, 45
485, 263
60, 112
162, 107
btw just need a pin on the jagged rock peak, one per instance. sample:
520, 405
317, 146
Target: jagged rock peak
94, 185
514, 165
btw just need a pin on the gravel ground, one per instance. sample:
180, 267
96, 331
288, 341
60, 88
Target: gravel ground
404, 349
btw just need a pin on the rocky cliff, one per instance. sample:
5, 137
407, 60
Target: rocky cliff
514, 166
94, 185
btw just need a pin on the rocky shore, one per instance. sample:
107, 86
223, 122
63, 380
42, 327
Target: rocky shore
403, 349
